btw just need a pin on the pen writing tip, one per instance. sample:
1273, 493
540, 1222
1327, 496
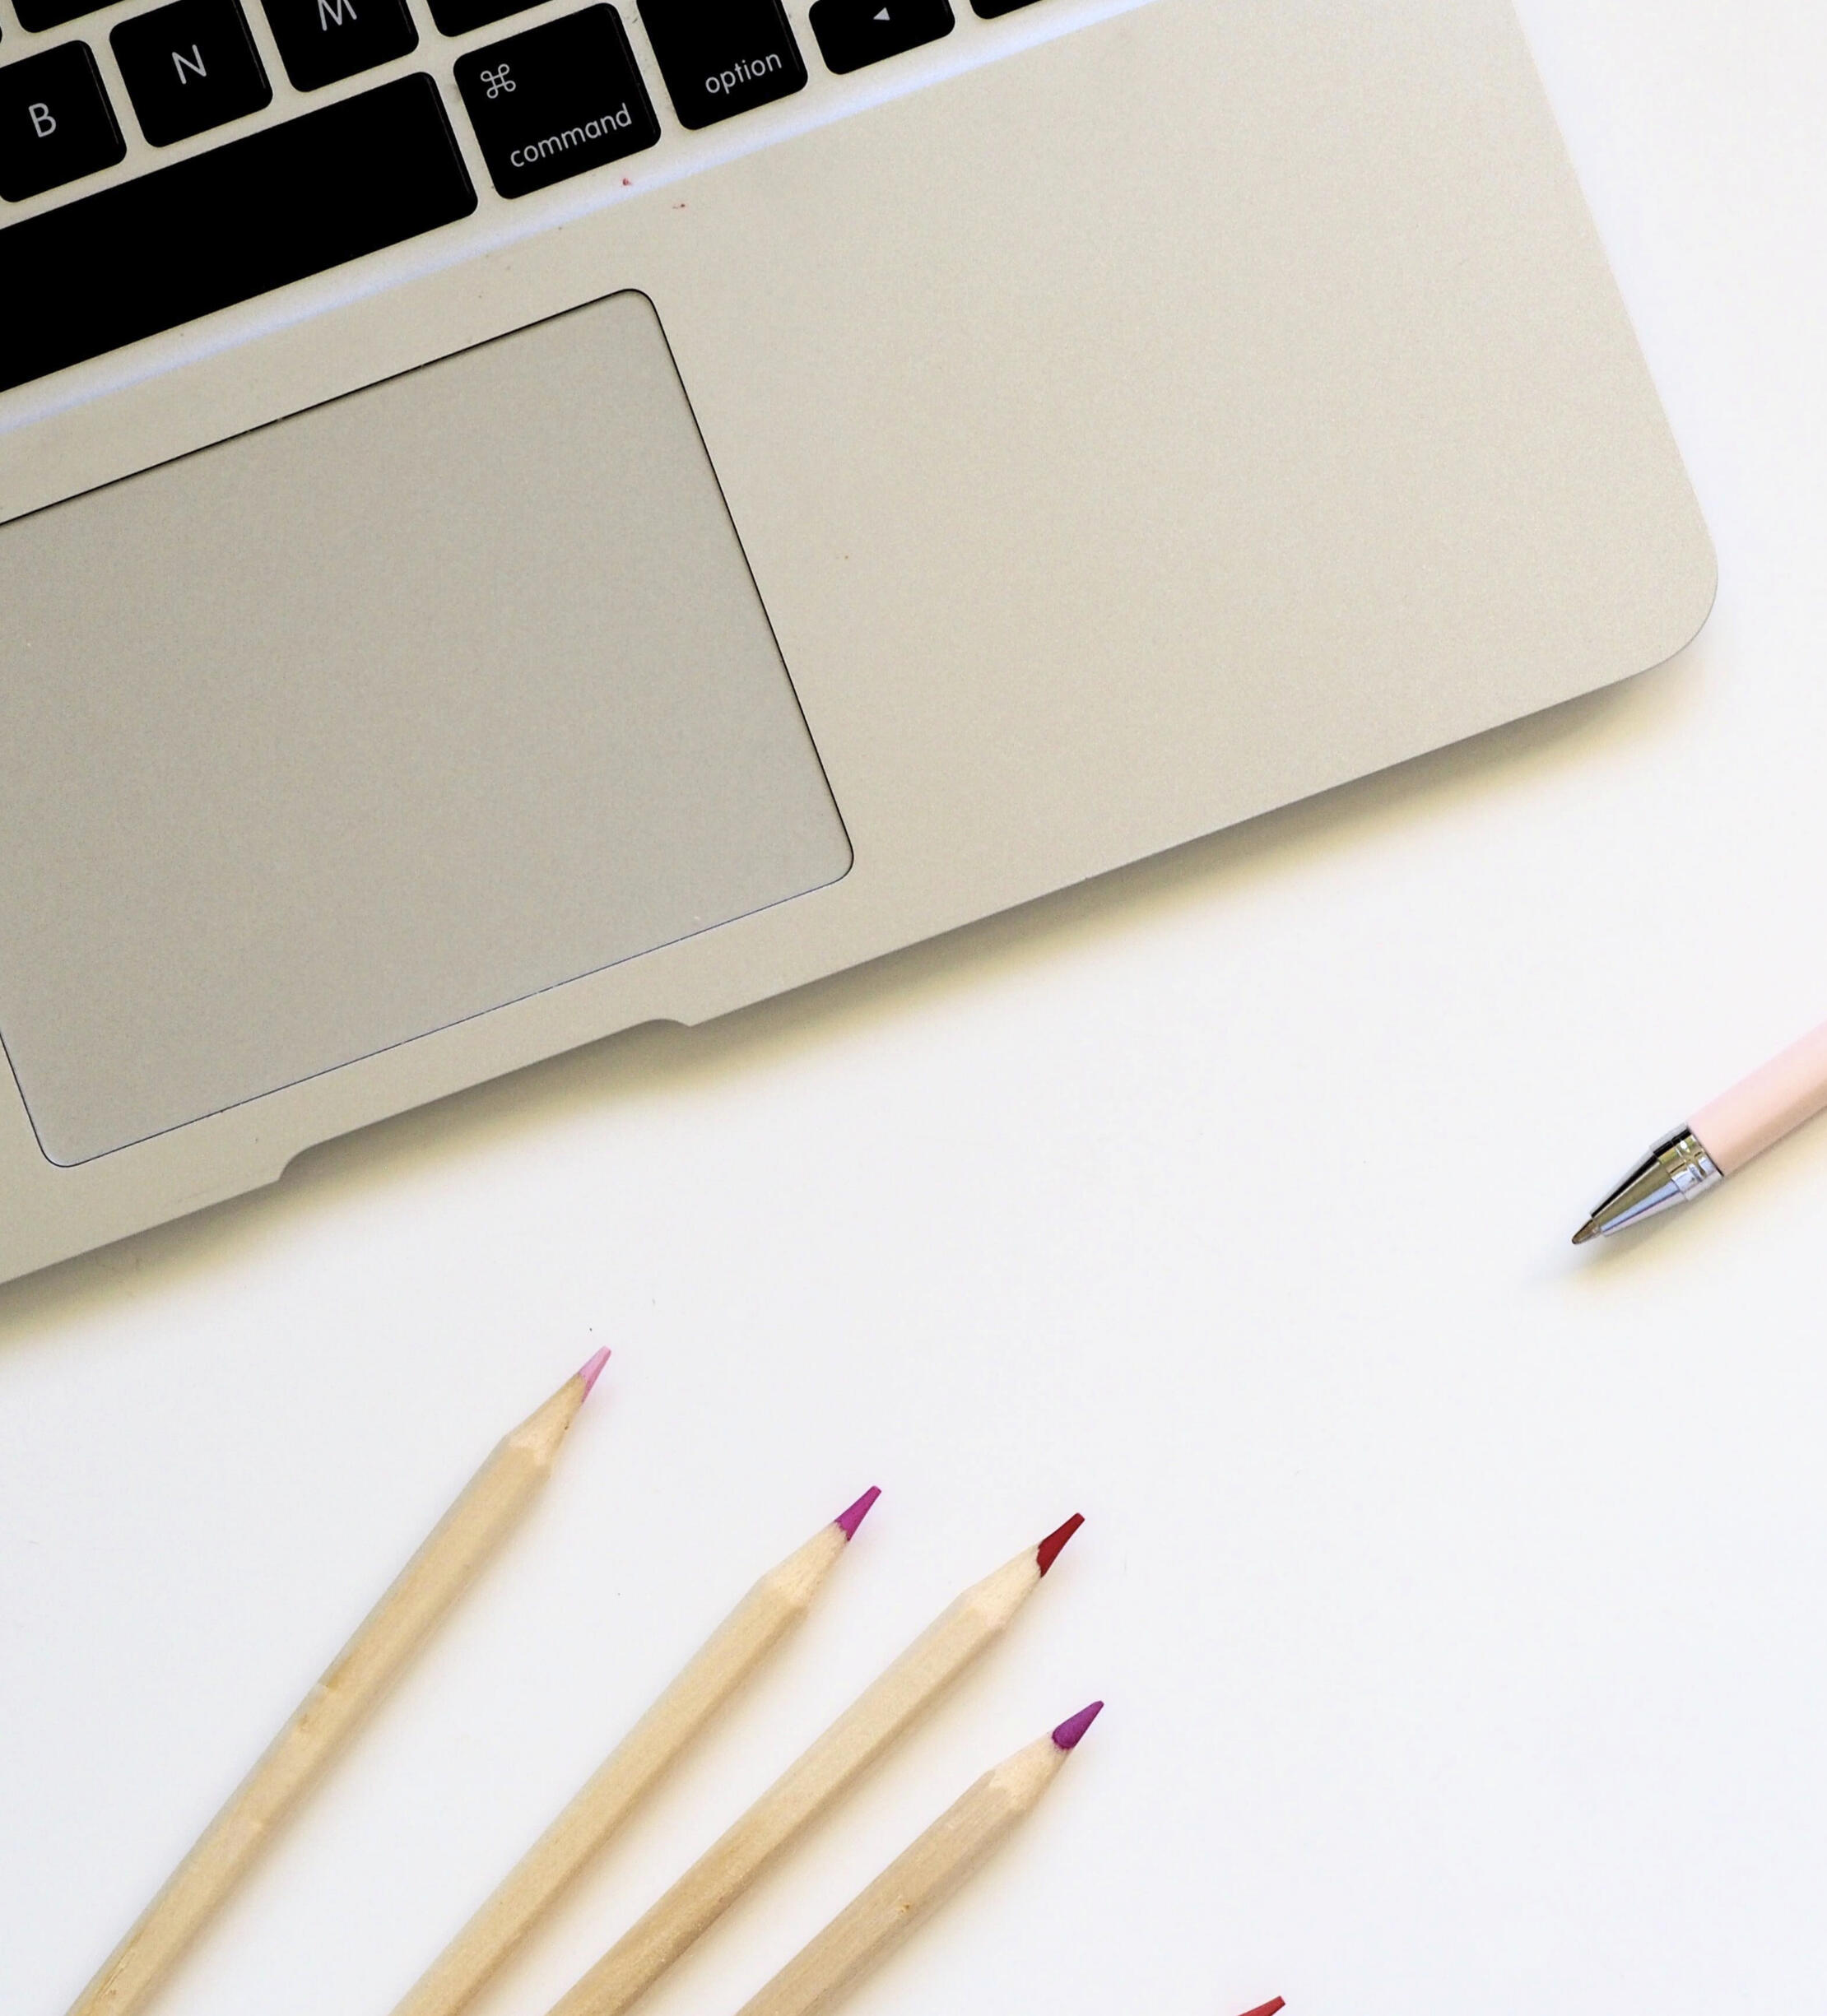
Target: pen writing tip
1589, 1230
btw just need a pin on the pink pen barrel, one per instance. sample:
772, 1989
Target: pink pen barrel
1760, 1109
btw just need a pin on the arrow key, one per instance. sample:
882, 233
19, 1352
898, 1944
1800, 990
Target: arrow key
854, 33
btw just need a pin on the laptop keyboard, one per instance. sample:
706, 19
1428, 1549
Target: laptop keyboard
296, 193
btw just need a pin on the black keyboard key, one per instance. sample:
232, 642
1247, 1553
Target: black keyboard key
722, 56
55, 125
188, 66
224, 226
39, 15
457, 17
558, 100
322, 41
852, 33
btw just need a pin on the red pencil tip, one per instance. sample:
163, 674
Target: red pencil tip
1048, 1551
847, 1522
1266, 2009
590, 1372
1070, 1733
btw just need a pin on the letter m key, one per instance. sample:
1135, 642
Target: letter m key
333, 13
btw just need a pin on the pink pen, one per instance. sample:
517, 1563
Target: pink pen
1721, 1138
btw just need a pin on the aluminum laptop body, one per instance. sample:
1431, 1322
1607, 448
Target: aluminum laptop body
569, 518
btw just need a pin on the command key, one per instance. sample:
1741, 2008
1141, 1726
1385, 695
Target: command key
557, 100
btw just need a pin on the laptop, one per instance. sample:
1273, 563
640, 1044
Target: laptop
522, 520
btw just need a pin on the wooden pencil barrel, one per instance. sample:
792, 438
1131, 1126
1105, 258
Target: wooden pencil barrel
335, 1706
911, 1888
880, 1714
765, 1614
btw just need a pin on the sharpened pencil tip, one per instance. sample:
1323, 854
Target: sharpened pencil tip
1266, 2009
1050, 1548
592, 1370
847, 1522
1589, 1230
1070, 1733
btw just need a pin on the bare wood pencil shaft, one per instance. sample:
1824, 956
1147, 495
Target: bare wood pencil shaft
912, 1888
883, 1712
393, 1631
764, 1617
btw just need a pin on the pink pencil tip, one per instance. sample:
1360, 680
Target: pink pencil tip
1070, 1734
847, 1522
592, 1371
1048, 1551
1266, 2009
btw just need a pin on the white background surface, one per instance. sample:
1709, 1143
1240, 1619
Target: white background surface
1461, 1601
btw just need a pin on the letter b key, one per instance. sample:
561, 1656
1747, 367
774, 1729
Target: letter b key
55, 121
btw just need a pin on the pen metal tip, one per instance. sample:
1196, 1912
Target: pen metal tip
1675, 1172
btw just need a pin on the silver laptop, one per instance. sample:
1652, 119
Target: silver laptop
518, 521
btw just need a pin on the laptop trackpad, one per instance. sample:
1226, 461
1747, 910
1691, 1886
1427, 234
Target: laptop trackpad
377, 718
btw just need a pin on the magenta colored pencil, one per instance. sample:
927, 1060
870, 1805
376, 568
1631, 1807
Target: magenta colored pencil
921, 1878
775, 1606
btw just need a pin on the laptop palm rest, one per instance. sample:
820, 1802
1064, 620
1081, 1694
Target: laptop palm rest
375, 719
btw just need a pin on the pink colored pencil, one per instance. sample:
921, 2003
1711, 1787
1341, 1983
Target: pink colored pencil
778, 1602
920, 1878
1722, 1137
384, 1642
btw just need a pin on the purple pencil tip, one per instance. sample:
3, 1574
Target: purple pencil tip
847, 1522
590, 1372
1070, 1734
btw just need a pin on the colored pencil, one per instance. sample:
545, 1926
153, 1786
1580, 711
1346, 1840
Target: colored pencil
492, 1501
1267, 2009
764, 1617
919, 1879
885, 1710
